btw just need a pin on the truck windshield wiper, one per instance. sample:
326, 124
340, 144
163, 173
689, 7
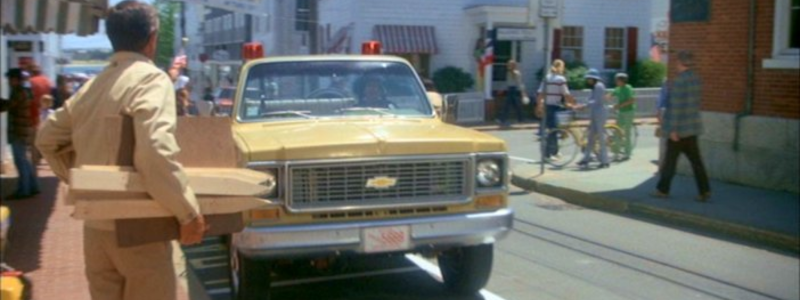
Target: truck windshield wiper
298, 113
380, 110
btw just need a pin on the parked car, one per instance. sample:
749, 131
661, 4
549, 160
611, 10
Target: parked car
364, 167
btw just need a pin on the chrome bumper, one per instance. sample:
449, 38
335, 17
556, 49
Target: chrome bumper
346, 237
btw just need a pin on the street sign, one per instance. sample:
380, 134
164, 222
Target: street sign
516, 34
548, 8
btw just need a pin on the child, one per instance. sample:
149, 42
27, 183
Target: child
46, 108
598, 115
626, 110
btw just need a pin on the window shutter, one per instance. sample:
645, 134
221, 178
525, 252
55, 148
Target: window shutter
556, 44
632, 46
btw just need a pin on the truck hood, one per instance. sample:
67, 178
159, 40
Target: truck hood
334, 139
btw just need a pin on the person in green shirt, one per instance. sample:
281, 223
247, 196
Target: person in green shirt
626, 107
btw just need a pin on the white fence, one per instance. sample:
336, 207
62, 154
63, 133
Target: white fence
465, 108
646, 102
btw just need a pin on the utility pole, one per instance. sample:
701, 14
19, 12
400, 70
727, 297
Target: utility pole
548, 10
313, 26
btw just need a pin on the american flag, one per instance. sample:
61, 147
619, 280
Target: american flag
487, 58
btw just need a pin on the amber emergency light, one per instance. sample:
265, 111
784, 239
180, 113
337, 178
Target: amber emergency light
371, 48
252, 51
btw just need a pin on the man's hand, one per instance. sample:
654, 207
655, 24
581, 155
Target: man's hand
539, 110
192, 232
674, 136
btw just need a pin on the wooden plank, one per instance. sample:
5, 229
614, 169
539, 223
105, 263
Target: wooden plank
223, 182
145, 208
206, 142
135, 232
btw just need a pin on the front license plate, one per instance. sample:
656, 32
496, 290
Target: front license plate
386, 239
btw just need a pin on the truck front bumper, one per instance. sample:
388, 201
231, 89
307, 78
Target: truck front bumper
433, 232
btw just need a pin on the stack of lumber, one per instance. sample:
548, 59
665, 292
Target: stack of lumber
209, 156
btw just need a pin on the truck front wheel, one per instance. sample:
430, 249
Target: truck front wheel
466, 270
250, 278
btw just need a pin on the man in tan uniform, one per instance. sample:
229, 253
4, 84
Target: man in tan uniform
132, 86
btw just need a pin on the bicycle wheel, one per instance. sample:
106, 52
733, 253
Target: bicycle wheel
615, 140
568, 147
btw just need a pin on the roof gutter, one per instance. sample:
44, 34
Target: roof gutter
747, 110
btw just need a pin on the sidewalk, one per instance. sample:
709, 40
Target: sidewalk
46, 243
761, 216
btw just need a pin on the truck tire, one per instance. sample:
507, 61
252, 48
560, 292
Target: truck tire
466, 270
250, 278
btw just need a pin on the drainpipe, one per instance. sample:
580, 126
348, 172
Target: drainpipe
748, 100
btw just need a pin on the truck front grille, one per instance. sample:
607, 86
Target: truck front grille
378, 183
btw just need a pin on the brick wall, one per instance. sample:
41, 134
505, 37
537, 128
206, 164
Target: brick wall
720, 47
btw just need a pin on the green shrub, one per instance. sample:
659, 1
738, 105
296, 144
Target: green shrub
452, 80
647, 73
574, 74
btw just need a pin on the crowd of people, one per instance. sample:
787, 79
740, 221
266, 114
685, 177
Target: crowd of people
32, 98
678, 116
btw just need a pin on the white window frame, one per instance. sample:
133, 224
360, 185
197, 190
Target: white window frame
623, 49
783, 57
580, 37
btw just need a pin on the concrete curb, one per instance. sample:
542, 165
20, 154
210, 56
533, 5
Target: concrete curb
760, 236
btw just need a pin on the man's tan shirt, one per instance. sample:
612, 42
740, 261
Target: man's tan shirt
131, 85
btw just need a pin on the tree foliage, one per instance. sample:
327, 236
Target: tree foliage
647, 73
452, 80
165, 50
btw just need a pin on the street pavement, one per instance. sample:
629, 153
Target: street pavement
556, 251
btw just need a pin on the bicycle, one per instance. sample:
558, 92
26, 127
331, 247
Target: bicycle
619, 140
571, 140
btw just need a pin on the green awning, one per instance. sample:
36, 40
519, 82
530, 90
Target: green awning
80, 17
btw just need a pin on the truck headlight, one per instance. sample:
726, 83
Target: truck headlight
488, 173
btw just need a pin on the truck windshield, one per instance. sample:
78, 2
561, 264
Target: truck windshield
313, 89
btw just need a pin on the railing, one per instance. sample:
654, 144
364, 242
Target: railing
646, 102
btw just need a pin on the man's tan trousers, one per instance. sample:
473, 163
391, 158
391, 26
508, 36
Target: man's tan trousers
136, 273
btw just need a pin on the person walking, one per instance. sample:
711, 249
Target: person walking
682, 123
553, 95
21, 128
598, 114
661, 105
130, 86
515, 94
40, 86
626, 111
62, 91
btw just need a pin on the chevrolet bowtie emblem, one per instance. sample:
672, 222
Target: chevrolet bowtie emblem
381, 182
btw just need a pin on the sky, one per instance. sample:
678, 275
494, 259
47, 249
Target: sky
99, 40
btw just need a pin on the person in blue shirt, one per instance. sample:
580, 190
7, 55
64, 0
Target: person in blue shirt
598, 114
661, 106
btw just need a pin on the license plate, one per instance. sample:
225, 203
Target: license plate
386, 239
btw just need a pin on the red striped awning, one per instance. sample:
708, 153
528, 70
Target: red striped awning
406, 39
60, 16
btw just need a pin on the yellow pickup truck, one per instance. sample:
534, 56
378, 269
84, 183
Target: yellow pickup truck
363, 166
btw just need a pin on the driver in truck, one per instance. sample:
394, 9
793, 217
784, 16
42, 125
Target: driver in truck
373, 94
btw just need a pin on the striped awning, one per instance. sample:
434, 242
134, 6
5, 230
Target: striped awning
60, 16
406, 39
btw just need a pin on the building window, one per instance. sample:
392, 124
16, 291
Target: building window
785, 43
614, 49
572, 43
302, 15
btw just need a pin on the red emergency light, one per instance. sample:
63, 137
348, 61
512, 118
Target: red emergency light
371, 48
252, 51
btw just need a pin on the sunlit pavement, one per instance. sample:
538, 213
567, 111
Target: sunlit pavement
556, 251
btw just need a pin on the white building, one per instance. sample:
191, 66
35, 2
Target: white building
608, 35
